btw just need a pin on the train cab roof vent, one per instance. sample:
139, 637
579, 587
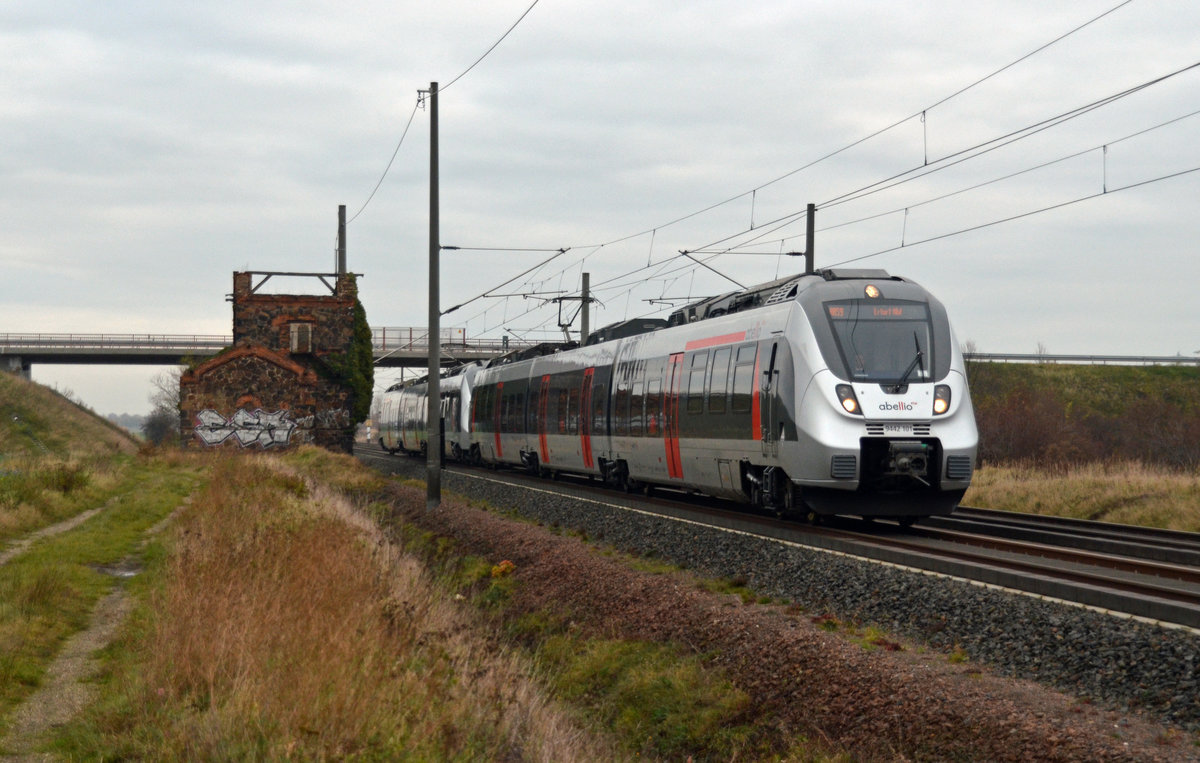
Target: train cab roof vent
536, 351
622, 329
848, 274
783, 293
772, 292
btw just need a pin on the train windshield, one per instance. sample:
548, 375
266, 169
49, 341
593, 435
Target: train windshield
884, 341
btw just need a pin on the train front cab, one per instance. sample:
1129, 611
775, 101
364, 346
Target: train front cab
887, 427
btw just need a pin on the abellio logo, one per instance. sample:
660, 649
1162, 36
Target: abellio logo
900, 406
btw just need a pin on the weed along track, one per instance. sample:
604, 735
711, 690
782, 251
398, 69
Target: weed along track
814, 661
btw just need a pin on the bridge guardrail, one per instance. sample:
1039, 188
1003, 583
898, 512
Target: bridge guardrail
384, 339
1088, 360
115, 341
413, 338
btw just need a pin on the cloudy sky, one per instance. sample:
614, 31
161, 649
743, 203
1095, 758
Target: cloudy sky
151, 149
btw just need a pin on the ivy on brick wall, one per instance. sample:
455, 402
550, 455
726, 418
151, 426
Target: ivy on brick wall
356, 367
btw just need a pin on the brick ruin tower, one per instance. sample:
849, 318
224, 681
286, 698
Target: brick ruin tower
278, 385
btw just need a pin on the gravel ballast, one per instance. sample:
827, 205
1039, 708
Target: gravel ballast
1114, 662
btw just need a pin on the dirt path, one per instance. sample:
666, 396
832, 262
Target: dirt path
65, 692
22, 545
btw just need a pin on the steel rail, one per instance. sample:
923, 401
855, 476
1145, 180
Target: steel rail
1132, 587
1151, 543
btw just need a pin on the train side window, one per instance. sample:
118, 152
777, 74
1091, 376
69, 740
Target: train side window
573, 410
743, 379
621, 409
635, 410
695, 403
719, 380
654, 408
599, 403
552, 411
562, 411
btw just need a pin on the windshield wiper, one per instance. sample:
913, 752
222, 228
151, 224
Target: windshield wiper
917, 361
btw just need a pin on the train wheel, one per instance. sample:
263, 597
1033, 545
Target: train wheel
788, 505
907, 522
647, 489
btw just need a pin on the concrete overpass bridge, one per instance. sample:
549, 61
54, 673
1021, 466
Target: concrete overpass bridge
400, 346
394, 347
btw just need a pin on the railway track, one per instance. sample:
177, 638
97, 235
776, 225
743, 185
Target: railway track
1138, 572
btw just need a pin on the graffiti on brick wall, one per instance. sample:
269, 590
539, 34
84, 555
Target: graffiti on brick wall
331, 419
246, 427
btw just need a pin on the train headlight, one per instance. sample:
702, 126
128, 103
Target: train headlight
941, 399
845, 394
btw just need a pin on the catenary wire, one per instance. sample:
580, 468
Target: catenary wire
981, 148
799, 215
417, 105
960, 191
921, 113
1031, 213
876, 133
489, 50
389, 164
974, 151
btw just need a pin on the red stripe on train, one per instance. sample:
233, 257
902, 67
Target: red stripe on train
700, 344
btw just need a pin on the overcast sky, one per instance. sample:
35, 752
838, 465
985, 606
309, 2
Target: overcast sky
151, 149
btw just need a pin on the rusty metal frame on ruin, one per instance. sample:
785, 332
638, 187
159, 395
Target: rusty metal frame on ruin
267, 274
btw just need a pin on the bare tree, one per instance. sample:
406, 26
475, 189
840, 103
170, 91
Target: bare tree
162, 425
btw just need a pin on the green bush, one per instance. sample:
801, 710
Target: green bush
1056, 415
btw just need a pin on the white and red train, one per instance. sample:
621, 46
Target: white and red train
834, 392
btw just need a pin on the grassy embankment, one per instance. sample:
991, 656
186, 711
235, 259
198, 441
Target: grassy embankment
1108, 443
277, 621
57, 462
281, 622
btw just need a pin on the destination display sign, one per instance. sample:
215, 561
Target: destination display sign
861, 310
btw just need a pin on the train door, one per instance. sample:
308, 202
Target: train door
543, 402
497, 409
770, 438
671, 414
585, 418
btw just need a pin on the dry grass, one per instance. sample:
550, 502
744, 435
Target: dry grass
56, 459
1123, 492
289, 627
36, 492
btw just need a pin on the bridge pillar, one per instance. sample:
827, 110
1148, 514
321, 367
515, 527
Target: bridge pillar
14, 364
